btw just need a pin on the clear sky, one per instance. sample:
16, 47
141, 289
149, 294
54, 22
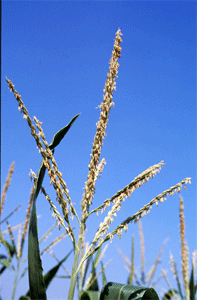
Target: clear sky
56, 53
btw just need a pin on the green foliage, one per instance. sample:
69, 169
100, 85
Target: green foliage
61, 133
36, 281
118, 291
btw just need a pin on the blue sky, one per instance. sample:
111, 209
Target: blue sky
56, 53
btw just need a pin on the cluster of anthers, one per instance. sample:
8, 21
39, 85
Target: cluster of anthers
130, 188
101, 235
102, 123
7, 184
47, 154
146, 209
117, 202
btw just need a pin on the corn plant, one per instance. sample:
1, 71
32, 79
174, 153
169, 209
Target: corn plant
36, 282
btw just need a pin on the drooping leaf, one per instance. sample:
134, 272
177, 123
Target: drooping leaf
118, 291
60, 134
56, 140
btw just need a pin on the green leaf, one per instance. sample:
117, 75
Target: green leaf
60, 134
36, 281
56, 140
191, 285
94, 282
48, 277
40, 178
118, 291
98, 253
86, 269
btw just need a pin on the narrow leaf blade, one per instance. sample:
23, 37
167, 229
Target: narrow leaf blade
94, 281
191, 285
60, 134
36, 281
41, 174
48, 277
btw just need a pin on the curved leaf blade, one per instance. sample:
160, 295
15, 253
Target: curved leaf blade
117, 291
60, 134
